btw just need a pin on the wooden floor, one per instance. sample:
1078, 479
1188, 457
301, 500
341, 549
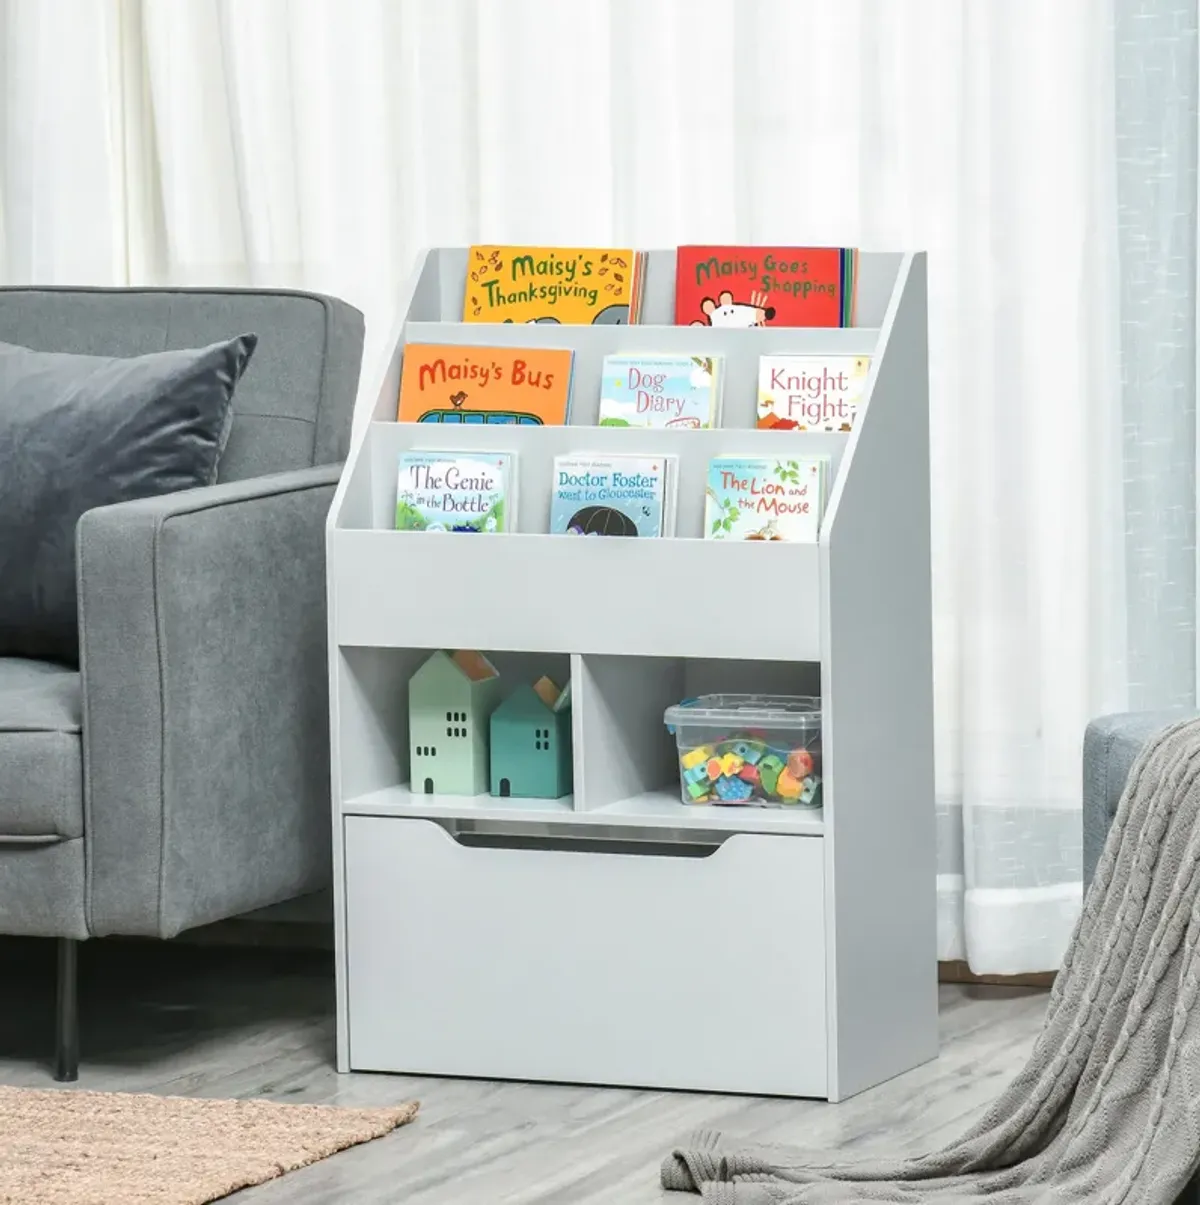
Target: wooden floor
244, 1022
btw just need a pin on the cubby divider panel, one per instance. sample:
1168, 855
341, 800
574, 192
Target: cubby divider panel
623, 751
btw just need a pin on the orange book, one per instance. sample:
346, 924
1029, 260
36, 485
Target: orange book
449, 383
577, 285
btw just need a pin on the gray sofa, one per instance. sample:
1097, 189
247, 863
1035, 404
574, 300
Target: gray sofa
181, 775
1110, 747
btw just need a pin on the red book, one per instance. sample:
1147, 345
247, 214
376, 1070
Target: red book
765, 286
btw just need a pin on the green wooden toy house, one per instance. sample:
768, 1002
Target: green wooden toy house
531, 742
450, 700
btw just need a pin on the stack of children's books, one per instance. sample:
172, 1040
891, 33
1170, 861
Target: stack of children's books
765, 498
660, 391
446, 383
531, 386
613, 496
714, 285
456, 491
746, 498
618, 493
765, 286
600, 286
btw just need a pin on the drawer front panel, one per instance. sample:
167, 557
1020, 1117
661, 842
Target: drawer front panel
620, 968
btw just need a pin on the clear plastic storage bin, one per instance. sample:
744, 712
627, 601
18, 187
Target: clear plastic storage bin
749, 750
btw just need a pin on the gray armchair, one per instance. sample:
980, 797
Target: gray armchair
181, 775
1111, 745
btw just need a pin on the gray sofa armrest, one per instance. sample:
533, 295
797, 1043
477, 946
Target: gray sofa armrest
1111, 745
205, 694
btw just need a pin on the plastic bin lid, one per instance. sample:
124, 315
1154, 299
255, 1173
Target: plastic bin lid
801, 712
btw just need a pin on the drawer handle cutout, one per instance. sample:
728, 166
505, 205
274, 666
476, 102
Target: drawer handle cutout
585, 844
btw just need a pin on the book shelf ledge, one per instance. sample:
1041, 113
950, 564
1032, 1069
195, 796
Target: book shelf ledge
656, 807
652, 337
370, 491
658, 810
570, 594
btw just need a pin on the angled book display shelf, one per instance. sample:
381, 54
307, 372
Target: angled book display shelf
617, 935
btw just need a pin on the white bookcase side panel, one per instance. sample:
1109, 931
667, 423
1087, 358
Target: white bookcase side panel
536, 448
668, 598
878, 272
740, 349
625, 749
878, 738
578, 731
876, 278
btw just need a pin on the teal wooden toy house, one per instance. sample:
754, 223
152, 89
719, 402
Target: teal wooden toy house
531, 742
450, 700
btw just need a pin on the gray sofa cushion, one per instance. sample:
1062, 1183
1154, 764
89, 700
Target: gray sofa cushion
78, 432
293, 407
41, 753
1111, 745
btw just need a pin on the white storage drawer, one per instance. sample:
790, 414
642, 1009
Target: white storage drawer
614, 968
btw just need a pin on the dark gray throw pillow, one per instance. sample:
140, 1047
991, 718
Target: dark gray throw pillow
77, 432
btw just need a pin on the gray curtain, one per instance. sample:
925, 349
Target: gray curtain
1157, 138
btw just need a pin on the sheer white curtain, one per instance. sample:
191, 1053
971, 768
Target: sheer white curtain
319, 144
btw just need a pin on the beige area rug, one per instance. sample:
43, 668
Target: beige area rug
66, 1147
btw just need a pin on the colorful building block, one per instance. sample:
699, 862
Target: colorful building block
695, 757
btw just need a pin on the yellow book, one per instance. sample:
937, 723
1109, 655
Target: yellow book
577, 285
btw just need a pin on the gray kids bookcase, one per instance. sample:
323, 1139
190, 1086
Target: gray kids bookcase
619, 936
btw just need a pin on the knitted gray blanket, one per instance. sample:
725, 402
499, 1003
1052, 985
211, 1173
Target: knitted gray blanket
1107, 1110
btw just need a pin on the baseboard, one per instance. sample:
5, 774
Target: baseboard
959, 972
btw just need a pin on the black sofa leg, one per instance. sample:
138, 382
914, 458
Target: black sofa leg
66, 1016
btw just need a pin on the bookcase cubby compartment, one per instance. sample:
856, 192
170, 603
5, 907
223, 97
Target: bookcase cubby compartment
568, 938
374, 686
627, 764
